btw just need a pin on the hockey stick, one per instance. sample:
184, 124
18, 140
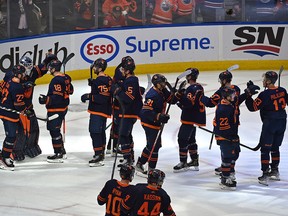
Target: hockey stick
148, 85
39, 118
279, 74
70, 56
245, 146
185, 73
231, 68
120, 128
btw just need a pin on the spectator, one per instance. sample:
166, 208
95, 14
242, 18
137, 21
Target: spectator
134, 16
108, 6
184, 12
19, 12
233, 12
260, 11
115, 19
3, 26
213, 11
162, 11
85, 17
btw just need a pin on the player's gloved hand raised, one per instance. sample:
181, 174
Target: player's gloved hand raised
249, 83
163, 118
42, 99
85, 97
181, 89
49, 58
252, 90
90, 81
28, 84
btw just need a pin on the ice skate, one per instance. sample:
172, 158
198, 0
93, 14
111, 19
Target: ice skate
97, 161
180, 167
264, 179
7, 164
108, 151
57, 158
125, 161
227, 183
140, 171
218, 171
274, 174
194, 164
232, 176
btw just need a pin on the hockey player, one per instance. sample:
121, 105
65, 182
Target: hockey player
99, 109
57, 101
272, 103
12, 99
150, 198
225, 79
152, 116
115, 191
117, 80
28, 133
193, 113
130, 95
226, 128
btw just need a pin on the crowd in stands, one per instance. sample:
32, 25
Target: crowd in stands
32, 17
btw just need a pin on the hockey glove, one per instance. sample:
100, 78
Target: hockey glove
180, 105
29, 113
181, 89
163, 118
142, 90
43, 99
115, 89
249, 83
28, 84
90, 81
85, 97
252, 90
49, 58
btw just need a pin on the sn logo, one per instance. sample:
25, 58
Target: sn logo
259, 40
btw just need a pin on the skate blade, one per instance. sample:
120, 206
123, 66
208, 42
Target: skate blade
3, 167
55, 160
193, 168
140, 174
224, 187
274, 178
263, 183
185, 169
98, 164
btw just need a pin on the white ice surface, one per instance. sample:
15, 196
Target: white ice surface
37, 188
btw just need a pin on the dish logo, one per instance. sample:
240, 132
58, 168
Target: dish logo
260, 41
97, 46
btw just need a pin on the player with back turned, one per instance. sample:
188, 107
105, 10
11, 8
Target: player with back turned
56, 102
193, 113
225, 79
114, 191
272, 103
99, 109
131, 98
12, 97
149, 198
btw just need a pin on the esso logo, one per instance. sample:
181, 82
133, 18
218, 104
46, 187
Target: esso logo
97, 46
